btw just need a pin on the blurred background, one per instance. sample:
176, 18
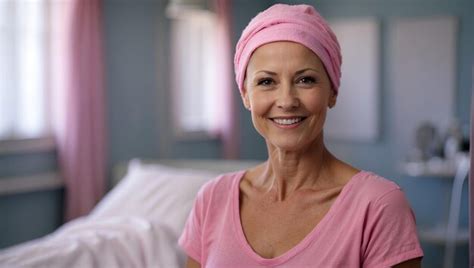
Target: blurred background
89, 86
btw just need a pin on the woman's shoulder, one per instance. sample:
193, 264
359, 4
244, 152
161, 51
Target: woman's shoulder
373, 187
374, 181
228, 180
222, 183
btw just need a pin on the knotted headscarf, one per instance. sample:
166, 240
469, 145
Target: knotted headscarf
297, 23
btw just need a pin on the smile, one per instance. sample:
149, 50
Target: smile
288, 121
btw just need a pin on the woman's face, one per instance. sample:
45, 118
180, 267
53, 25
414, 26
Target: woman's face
288, 92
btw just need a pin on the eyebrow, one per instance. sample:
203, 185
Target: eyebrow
267, 72
306, 69
297, 73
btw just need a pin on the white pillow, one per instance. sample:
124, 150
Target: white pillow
159, 193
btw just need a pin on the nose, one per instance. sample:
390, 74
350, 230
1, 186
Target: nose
287, 98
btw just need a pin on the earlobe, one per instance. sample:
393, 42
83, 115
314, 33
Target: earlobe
332, 101
246, 102
247, 106
245, 99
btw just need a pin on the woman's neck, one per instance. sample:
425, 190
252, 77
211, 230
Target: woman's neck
288, 171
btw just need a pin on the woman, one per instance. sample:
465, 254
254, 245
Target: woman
303, 207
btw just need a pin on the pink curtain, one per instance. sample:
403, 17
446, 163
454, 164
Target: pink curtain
229, 126
81, 132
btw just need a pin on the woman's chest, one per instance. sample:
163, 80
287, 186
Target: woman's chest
273, 229
252, 235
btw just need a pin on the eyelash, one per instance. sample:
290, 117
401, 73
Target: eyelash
309, 80
265, 82
305, 80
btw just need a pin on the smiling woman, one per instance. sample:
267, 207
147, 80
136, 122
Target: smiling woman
302, 207
288, 101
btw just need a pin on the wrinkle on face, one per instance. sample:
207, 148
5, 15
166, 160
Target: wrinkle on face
292, 151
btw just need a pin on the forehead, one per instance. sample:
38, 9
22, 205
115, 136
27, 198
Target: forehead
283, 54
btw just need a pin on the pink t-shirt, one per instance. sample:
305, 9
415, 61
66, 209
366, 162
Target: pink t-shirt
370, 224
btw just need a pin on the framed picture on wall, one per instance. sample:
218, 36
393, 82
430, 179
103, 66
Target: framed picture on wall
356, 114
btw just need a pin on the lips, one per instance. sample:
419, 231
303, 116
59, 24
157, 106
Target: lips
288, 121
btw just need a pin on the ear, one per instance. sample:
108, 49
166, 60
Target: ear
245, 98
332, 99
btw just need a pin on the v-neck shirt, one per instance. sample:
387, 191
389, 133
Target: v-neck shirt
370, 224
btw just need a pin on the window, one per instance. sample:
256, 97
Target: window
194, 73
23, 60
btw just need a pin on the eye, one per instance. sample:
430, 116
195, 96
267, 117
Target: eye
265, 82
307, 80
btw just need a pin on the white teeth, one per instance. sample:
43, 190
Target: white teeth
287, 121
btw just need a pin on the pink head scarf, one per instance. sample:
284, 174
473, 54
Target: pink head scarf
298, 23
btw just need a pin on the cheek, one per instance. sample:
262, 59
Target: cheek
260, 104
317, 106
322, 101
260, 107
316, 100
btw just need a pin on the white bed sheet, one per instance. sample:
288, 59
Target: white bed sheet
107, 242
137, 224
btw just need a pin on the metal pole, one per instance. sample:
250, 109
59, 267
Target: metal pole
454, 209
471, 181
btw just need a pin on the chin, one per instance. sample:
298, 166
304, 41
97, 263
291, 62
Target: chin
288, 145
292, 143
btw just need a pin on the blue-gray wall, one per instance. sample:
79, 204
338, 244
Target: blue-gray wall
31, 214
133, 32
137, 55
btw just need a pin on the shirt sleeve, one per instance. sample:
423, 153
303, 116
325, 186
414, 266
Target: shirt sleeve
390, 235
191, 237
